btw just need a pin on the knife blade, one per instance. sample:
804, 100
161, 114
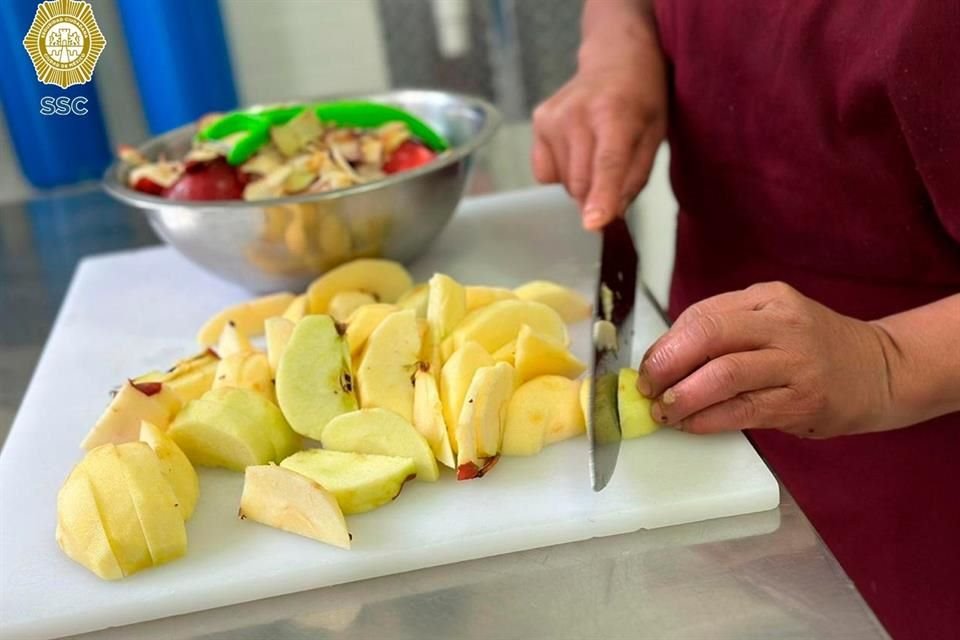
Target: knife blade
612, 346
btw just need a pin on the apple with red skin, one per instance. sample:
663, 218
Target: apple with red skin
409, 155
146, 185
214, 180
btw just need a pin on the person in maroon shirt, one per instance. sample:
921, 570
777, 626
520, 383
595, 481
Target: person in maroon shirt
815, 156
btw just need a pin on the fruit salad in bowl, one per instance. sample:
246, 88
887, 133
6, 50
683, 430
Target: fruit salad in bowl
284, 150
272, 197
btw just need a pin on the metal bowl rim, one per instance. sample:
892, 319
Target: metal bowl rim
491, 122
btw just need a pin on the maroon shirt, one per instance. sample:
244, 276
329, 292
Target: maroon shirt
818, 142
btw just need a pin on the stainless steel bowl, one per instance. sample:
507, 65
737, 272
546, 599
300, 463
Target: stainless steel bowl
283, 243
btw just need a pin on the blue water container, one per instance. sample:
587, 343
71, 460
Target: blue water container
70, 143
180, 58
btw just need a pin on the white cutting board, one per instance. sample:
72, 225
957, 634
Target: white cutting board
130, 312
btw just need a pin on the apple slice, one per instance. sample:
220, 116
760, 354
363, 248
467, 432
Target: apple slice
446, 306
248, 317
634, 408
477, 297
234, 429
80, 530
286, 500
314, 382
542, 411
385, 280
278, 331
455, 378
155, 502
384, 433
359, 481
537, 356
428, 417
485, 407
175, 466
570, 304
233, 340
247, 370
416, 299
343, 304
191, 378
385, 375
507, 353
117, 510
134, 402
363, 322
296, 310
497, 324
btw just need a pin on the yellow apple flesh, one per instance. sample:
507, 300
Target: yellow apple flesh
384, 433
359, 481
175, 466
346, 302
497, 324
247, 317
634, 408
383, 279
570, 304
385, 375
428, 417
455, 378
537, 355
287, 500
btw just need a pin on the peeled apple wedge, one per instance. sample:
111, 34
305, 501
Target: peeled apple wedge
117, 510
80, 530
314, 381
570, 304
537, 356
497, 324
175, 467
446, 306
248, 317
134, 402
477, 297
359, 481
277, 331
507, 353
634, 408
384, 433
234, 429
385, 375
416, 299
233, 340
287, 500
154, 501
455, 379
191, 378
428, 417
246, 370
485, 407
385, 280
296, 309
346, 302
543, 410
362, 323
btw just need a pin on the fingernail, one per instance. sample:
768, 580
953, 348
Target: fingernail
593, 215
669, 397
643, 383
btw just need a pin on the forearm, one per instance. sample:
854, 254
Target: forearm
611, 29
922, 350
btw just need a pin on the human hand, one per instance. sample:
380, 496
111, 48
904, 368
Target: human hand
769, 357
599, 133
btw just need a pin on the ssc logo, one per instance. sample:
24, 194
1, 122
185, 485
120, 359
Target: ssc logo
64, 42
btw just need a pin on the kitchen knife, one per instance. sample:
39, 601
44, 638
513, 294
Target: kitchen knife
612, 346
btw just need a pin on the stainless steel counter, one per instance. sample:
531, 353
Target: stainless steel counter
755, 576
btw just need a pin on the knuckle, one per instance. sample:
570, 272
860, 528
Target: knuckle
746, 410
706, 327
607, 105
610, 159
725, 373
